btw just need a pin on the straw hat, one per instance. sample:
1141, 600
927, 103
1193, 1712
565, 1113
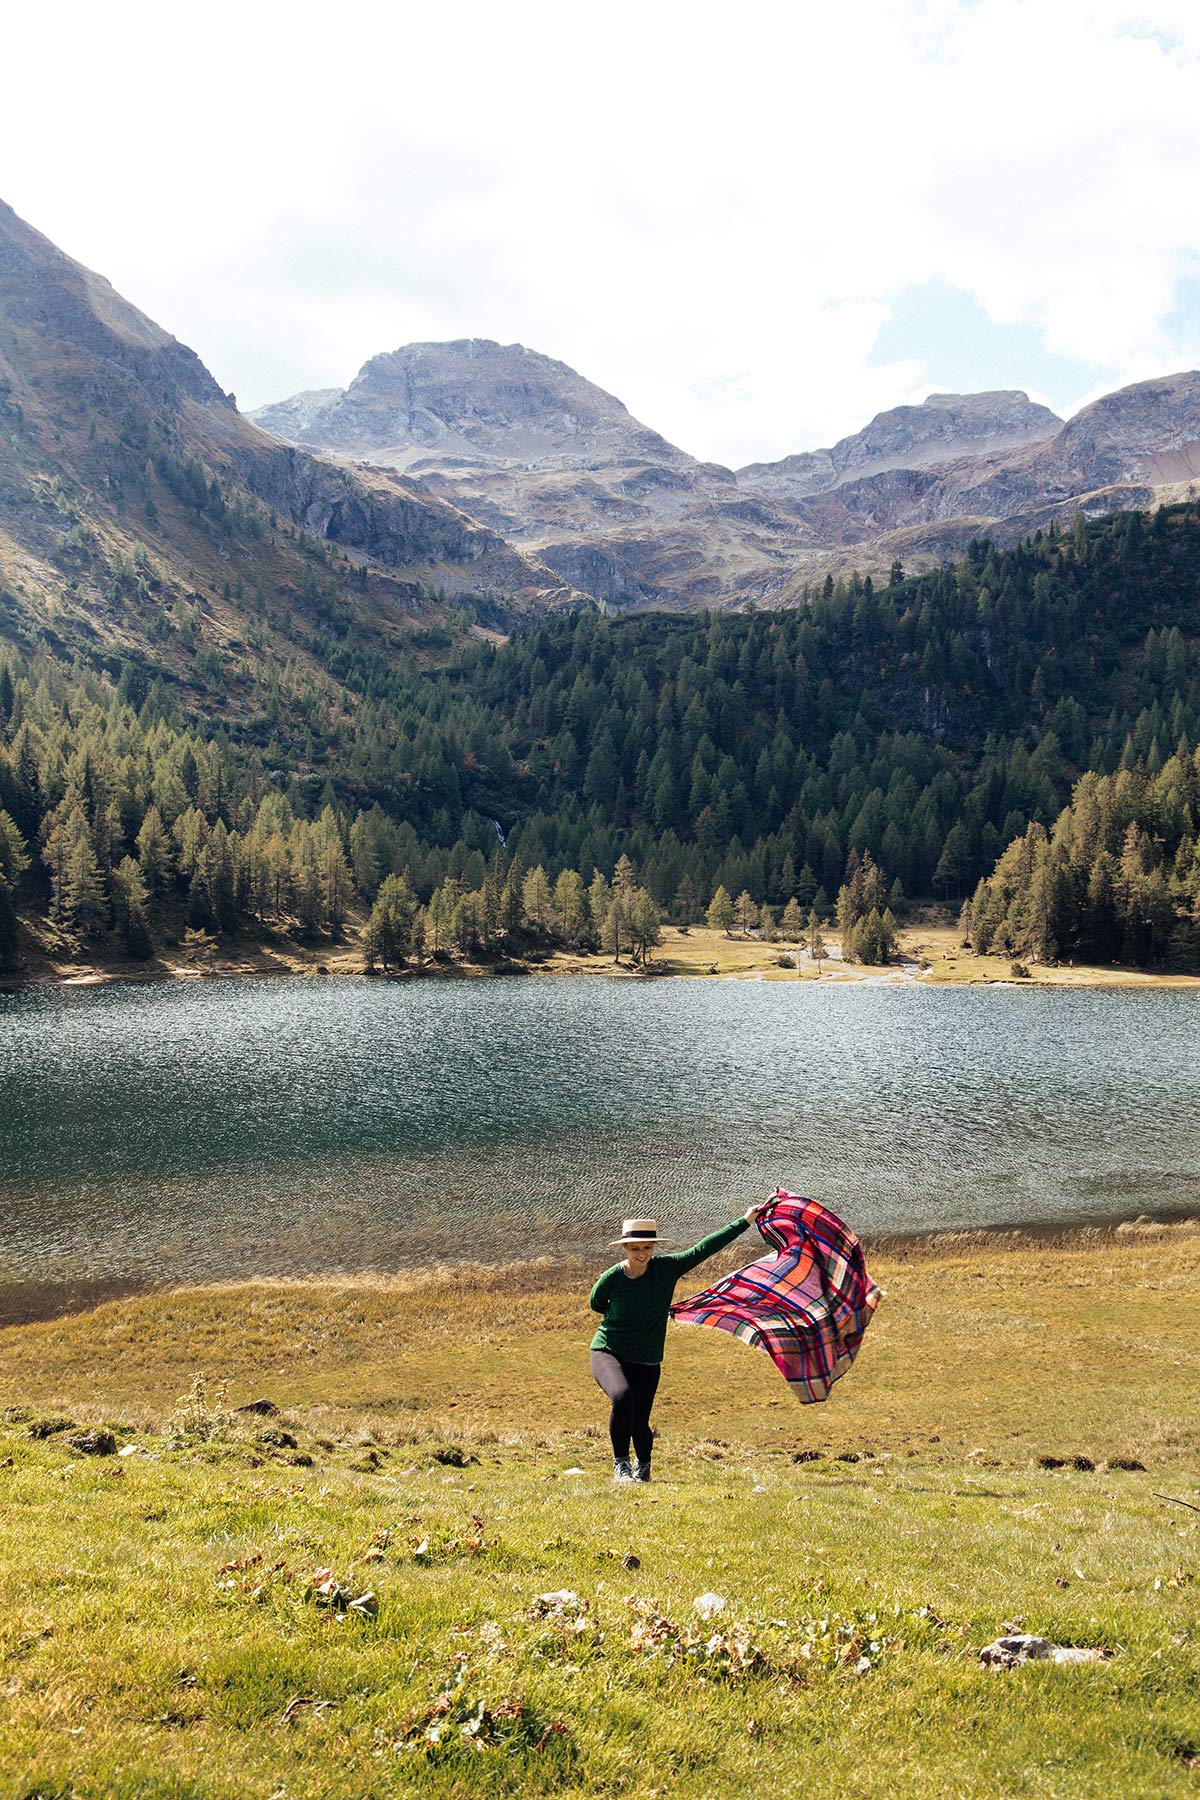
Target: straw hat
638, 1231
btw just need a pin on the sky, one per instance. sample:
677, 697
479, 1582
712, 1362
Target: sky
758, 226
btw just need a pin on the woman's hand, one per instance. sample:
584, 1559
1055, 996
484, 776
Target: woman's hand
751, 1213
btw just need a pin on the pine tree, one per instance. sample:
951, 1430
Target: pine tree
14, 861
389, 936
645, 923
746, 913
535, 896
155, 853
813, 939
624, 879
599, 901
792, 921
721, 912
571, 907
614, 934
512, 901
686, 904
130, 909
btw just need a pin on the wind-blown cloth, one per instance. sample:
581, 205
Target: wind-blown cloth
807, 1303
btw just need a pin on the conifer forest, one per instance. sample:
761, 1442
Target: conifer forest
1016, 737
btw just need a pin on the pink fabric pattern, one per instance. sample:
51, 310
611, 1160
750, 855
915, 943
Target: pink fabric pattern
807, 1303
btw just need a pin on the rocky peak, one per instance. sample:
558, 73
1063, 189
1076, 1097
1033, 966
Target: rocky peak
470, 404
942, 429
1149, 431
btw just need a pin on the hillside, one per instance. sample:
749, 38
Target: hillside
135, 499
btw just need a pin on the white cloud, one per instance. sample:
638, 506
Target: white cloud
705, 212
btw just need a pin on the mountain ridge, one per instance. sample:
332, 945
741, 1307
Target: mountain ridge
635, 521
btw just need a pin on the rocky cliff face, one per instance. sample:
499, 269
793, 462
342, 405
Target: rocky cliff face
561, 469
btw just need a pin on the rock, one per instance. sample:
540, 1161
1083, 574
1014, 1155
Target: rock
709, 1605
1011, 1652
806, 1456
1129, 1463
453, 1456
554, 1604
631, 1561
94, 1442
263, 1409
44, 1428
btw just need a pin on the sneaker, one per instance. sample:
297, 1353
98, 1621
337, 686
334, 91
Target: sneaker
641, 1470
622, 1471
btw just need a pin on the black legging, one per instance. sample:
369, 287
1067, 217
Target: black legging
631, 1387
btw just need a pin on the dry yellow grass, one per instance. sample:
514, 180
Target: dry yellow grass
1011, 1346
949, 964
166, 1630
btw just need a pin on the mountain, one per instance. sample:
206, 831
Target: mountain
529, 448
430, 407
562, 470
134, 497
943, 428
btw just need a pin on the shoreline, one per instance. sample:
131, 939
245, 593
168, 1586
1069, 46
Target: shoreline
930, 957
552, 1274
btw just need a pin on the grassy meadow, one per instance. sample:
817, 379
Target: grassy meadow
342, 1598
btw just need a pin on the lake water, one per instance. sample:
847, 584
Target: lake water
182, 1131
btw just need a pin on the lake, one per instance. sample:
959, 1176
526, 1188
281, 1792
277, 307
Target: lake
197, 1131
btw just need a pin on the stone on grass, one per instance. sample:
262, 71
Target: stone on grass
1012, 1652
44, 1428
554, 1604
453, 1456
96, 1442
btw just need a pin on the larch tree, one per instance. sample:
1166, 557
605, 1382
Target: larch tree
721, 911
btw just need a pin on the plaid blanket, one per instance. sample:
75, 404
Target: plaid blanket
807, 1303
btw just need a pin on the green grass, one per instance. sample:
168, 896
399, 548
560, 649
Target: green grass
860, 1584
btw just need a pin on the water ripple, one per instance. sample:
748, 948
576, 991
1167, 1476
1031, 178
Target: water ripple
173, 1131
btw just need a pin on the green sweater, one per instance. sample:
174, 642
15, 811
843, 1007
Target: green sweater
634, 1325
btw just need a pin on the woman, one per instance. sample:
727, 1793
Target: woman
634, 1299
